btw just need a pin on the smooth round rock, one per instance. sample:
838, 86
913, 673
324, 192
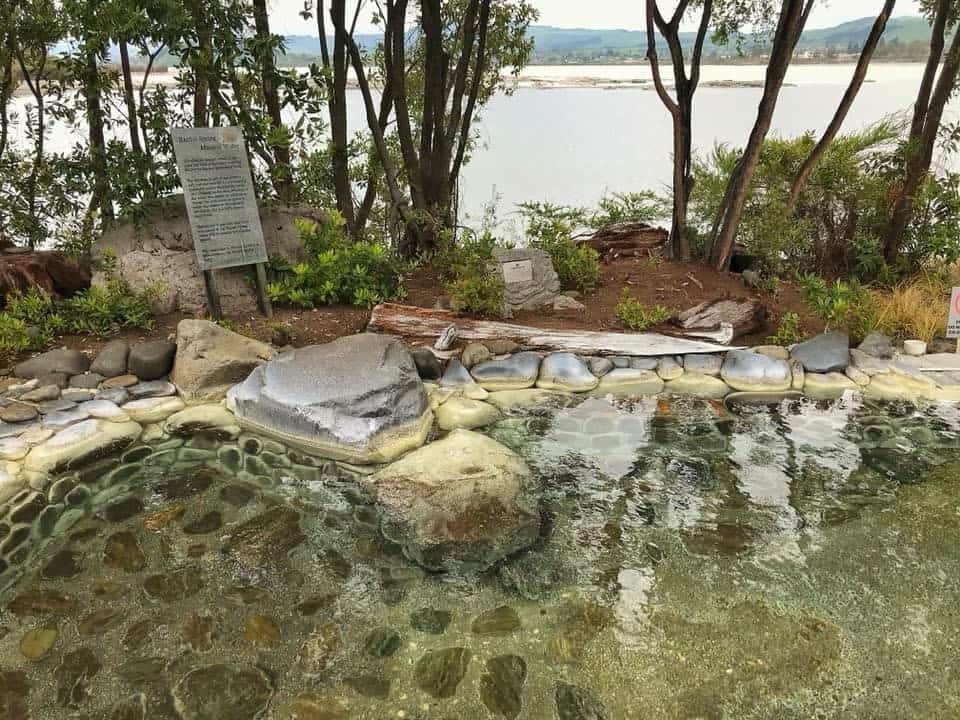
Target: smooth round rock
238, 692
151, 360
697, 385
516, 372
825, 353
17, 412
744, 370
628, 381
465, 413
153, 410
35, 644
565, 372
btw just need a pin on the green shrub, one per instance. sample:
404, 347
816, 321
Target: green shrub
842, 305
470, 275
636, 316
551, 228
33, 319
789, 331
644, 206
339, 271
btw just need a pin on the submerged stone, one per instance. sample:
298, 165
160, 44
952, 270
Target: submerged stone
460, 503
577, 703
370, 686
174, 585
64, 564
501, 688
320, 647
565, 372
73, 675
238, 692
318, 706
438, 673
266, 538
206, 523
123, 552
499, 621
627, 381
98, 621
382, 642
516, 372
35, 644
466, 414
41, 602
357, 399
428, 620
261, 630
82, 443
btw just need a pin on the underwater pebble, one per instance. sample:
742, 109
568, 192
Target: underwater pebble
438, 673
35, 644
499, 621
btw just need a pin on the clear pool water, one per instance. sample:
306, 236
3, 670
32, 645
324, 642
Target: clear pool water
696, 561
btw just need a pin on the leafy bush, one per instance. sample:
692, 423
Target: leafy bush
552, 228
789, 331
843, 212
339, 270
33, 319
645, 206
636, 316
842, 305
470, 275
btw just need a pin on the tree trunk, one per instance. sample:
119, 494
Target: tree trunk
282, 173
789, 26
36, 88
128, 97
681, 109
859, 75
98, 144
928, 113
201, 79
6, 82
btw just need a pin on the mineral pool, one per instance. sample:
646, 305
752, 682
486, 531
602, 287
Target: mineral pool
695, 561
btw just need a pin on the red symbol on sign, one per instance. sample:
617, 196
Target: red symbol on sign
956, 303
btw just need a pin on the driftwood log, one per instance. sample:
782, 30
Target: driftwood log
744, 315
629, 239
415, 322
50, 271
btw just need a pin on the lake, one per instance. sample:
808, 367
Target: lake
572, 142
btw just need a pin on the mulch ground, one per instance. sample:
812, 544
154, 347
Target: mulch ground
674, 285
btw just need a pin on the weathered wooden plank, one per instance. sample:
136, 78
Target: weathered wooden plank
417, 322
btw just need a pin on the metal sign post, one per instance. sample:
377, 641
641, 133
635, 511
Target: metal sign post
953, 321
222, 206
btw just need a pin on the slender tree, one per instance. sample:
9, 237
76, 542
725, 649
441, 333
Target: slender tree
843, 109
934, 93
681, 109
791, 21
278, 139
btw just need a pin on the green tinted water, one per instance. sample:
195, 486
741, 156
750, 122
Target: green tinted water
695, 562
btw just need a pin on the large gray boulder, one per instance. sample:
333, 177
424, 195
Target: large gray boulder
459, 504
512, 373
211, 359
62, 360
825, 353
357, 399
749, 371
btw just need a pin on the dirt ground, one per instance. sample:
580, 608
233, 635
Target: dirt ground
675, 285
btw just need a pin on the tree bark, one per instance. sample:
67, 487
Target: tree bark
6, 79
859, 75
36, 88
98, 144
792, 19
681, 109
928, 114
281, 173
128, 97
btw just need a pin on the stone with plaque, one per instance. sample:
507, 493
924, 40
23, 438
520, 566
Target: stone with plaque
529, 279
221, 203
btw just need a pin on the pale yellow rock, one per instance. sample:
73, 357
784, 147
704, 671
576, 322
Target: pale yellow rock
463, 413
827, 386
200, 417
773, 351
858, 376
36, 643
13, 448
799, 375
530, 397
627, 381
474, 392
896, 386
698, 385
152, 433
36, 436
80, 442
153, 410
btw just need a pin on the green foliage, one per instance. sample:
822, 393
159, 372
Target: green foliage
637, 316
551, 228
645, 206
32, 320
842, 305
789, 332
470, 275
843, 212
339, 270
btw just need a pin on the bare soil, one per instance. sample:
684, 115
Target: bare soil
674, 285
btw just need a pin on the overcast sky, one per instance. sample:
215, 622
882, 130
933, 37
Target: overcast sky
626, 14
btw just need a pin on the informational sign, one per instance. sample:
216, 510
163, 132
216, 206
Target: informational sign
221, 203
953, 323
518, 271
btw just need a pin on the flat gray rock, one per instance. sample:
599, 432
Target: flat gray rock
825, 353
63, 360
748, 371
878, 345
513, 373
565, 371
428, 366
57, 405
358, 399
644, 363
153, 388
703, 364
600, 366
87, 380
118, 396
151, 360
41, 394
456, 375
17, 412
77, 395
112, 359
64, 418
